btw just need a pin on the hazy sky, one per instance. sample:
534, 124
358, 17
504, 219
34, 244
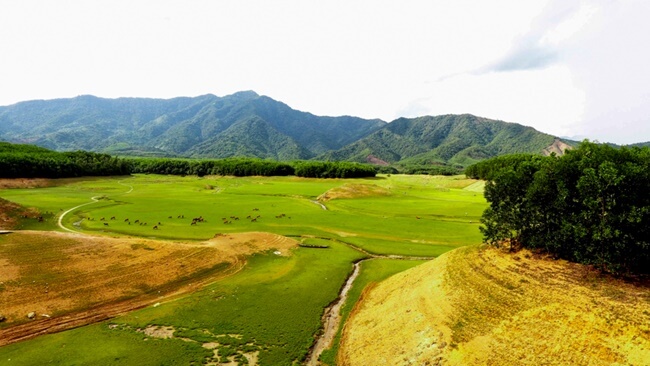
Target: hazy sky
565, 67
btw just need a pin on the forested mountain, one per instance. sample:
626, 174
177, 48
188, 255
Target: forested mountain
456, 139
241, 124
246, 124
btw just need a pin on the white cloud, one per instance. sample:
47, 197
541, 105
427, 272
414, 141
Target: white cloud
563, 65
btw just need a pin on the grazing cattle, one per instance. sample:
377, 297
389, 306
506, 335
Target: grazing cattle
136, 221
126, 220
129, 222
248, 217
159, 223
102, 219
169, 217
256, 209
145, 224
253, 220
155, 227
106, 224
417, 217
193, 223
112, 217
236, 218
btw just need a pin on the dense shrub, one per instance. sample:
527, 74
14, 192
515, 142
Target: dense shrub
26, 161
339, 169
590, 206
233, 166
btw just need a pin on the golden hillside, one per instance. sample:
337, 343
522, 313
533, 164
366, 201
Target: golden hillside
480, 306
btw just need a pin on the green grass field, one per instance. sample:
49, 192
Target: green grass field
272, 308
422, 217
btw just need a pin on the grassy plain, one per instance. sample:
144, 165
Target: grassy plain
269, 312
422, 216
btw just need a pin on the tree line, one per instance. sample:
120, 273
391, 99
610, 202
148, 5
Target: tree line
27, 161
590, 206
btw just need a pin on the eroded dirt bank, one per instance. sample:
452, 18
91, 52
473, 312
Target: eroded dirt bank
476, 306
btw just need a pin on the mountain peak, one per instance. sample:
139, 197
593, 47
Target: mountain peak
245, 94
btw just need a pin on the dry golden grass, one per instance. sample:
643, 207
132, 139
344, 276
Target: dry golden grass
353, 190
477, 306
72, 275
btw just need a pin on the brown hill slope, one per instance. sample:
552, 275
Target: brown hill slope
476, 306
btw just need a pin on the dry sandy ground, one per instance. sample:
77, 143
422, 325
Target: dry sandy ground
476, 306
69, 280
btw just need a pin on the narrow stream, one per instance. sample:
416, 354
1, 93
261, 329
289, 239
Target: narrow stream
331, 319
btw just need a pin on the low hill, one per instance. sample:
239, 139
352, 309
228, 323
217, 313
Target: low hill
456, 139
480, 306
241, 124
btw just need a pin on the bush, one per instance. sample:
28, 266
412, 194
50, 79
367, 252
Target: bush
590, 206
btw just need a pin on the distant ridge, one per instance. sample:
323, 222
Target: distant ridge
251, 125
456, 139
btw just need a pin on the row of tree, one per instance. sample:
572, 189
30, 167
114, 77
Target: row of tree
27, 161
591, 205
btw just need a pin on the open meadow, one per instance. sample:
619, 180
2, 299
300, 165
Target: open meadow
222, 269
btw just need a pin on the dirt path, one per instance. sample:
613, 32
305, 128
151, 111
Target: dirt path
320, 204
94, 200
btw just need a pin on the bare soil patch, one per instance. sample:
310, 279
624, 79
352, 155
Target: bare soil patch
485, 307
354, 191
77, 279
11, 213
558, 147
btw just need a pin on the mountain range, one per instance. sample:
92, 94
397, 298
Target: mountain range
248, 124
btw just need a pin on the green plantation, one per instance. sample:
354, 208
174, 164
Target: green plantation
269, 313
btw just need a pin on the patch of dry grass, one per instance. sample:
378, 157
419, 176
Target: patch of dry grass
60, 274
353, 190
484, 307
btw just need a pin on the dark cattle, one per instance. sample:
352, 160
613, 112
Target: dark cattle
102, 219
193, 223
126, 220
136, 221
106, 224
155, 227
112, 217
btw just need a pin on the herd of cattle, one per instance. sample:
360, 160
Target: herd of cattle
195, 220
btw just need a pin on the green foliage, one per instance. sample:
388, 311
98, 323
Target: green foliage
238, 167
591, 206
449, 139
313, 169
207, 126
488, 169
26, 161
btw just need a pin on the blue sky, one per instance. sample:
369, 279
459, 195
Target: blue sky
569, 68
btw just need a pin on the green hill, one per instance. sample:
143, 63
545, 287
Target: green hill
243, 123
449, 139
